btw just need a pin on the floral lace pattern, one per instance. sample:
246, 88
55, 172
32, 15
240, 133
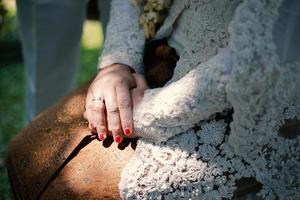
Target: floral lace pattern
197, 88
155, 119
179, 157
205, 28
264, 99
196, 164
125, 39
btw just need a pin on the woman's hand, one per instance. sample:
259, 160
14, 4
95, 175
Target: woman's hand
108, 102
137, 93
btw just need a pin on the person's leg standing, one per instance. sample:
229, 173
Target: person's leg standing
50, 33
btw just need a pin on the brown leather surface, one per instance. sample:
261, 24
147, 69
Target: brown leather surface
93, 174
42, 147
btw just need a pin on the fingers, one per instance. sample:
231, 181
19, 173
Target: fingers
125, 108
88, 112
113, 116
141, 82
95, 114
99, 117
137, 93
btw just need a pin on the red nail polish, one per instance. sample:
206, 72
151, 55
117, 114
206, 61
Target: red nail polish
118, 139
127, 131
102, 137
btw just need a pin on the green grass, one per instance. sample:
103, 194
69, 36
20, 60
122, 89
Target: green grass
12, 92
11, 113
11, 95
92, 39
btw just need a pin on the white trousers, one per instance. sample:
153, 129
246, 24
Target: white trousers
50, 32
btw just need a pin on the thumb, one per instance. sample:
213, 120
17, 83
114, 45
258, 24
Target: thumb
140, 81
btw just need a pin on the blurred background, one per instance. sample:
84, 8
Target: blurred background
12, 75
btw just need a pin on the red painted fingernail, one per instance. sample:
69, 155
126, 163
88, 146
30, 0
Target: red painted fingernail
102, 137
118, 139
127, 131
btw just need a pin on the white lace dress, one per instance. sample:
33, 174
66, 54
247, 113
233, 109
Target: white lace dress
189, 148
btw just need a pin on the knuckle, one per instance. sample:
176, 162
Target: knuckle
101, 108
98, 107
124, 103
106, 79
119, 81
112, 109
112, 79
116, 129
101, 127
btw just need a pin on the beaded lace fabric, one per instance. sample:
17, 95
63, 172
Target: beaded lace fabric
264, 92
186, 150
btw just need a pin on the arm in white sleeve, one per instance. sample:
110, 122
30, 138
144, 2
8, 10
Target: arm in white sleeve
124, 42
173, 109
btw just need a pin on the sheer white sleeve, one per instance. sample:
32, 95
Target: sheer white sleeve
165, 112
125, 39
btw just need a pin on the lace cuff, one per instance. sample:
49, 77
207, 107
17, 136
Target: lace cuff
125, 39
168, 111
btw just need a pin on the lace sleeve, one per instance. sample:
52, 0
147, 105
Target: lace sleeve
125, 39
165, 112
264, 92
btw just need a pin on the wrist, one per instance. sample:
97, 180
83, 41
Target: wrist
117, 67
